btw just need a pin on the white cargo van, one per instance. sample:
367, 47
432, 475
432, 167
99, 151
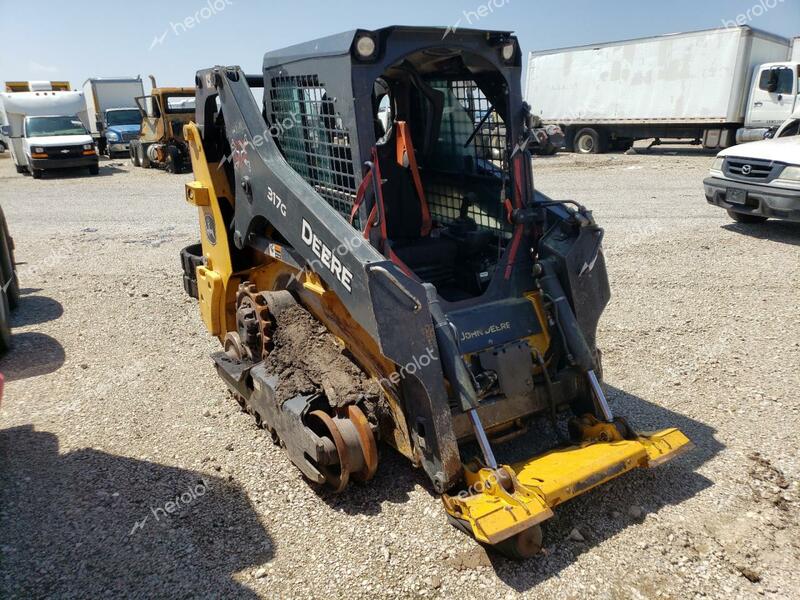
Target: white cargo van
47, 130
717, 87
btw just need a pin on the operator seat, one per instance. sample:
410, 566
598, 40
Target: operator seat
408, 223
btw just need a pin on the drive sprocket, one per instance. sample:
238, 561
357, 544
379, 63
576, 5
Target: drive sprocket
254, 323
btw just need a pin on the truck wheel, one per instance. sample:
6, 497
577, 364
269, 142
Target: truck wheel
20, 169
590, 141
745, 218
141, 153
37, 173
134, 153
10, 283
94, 169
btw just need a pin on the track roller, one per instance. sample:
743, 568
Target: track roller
355, 453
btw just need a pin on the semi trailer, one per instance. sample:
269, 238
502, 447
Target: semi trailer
717, 87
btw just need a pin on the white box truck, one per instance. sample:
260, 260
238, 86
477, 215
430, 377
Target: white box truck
114, 119
47, 130
716, 86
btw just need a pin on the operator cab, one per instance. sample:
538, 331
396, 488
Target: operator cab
442, 160
430, 124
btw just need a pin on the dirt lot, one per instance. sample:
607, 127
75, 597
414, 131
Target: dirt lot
125, 468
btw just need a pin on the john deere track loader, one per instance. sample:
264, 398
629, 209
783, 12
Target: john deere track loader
378, 267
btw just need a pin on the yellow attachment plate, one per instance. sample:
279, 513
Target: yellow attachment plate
542, 483
209, 288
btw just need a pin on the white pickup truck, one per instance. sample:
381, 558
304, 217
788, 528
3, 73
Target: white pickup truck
759, 180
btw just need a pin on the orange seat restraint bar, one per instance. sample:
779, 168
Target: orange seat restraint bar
407, 158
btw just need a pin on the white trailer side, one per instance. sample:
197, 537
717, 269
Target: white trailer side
684, 84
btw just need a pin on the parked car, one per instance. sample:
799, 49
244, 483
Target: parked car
759, 180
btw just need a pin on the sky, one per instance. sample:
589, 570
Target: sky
78, 39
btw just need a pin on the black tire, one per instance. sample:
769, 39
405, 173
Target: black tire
8, 265
590, 141
94, 169
745, 218
36, 173
174, 163
133, 150
20, 169
5, 325
141, 152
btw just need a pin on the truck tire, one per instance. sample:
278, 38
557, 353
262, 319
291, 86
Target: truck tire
94, 170
141, 153
590, 141
134, 152
20, 169
36, 173
10, 283
745, 218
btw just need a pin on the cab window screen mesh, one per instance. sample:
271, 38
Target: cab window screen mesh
460, 167
313, 139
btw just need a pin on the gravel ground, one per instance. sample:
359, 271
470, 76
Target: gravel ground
126, 468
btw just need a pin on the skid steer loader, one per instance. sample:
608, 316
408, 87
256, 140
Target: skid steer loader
378, 266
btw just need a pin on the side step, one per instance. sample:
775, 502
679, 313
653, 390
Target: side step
529, 490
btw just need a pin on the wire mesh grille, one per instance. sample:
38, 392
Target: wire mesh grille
483, 158
313, 139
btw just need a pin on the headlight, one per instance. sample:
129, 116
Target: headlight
508, 51
365, 46
88, 146
790, 174
717, 164
112, 136
38, 149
